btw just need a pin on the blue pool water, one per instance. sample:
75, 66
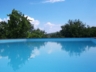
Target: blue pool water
48, 55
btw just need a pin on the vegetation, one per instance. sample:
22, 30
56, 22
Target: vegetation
18, 26
76, 28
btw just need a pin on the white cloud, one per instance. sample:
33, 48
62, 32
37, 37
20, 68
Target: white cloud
33, 21
53, 1
36, 23
5, 19
47, 27
0, 19
50, 27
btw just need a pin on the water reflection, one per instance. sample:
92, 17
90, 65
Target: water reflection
19, 53
76, 48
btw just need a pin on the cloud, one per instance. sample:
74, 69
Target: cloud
50, 27
5, 19
47, 27
0, 19
46, 1
52, 1
33, 21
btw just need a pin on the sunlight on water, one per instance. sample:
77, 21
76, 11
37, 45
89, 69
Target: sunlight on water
43, 56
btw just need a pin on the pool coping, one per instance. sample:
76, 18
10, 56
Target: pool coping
48, 39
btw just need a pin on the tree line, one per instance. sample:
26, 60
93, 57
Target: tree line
18, 26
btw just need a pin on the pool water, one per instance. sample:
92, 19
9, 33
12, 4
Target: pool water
48, 56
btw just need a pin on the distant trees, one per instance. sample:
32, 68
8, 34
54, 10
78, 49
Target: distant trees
92, 31
18, 26
76, 28
37, 33
73, 29
54, 35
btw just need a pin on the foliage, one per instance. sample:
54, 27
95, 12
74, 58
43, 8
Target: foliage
3, 29
54, 35
77, 28
37, 33
73, 29
18, 26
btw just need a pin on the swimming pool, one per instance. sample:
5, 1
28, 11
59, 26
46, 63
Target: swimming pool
48, 55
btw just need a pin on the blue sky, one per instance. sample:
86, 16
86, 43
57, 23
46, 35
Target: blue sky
49, 15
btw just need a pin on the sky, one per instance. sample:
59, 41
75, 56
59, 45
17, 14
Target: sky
50, 15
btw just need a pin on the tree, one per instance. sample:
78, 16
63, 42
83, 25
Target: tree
73, 29
37, 33
3, 29
93, 31
54, 35
18, 25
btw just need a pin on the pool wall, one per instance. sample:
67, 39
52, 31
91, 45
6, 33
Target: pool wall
48, 39
93, 40
12, 40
